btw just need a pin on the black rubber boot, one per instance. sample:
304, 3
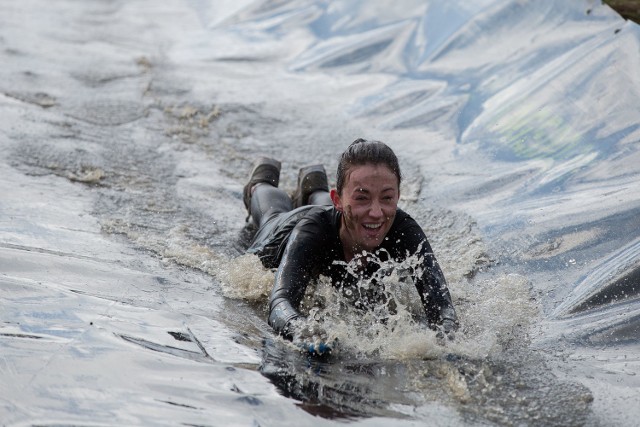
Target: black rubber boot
265, 170
310, 178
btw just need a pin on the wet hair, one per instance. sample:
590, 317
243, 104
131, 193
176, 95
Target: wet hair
362, 152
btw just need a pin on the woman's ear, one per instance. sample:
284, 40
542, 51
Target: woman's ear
335, 198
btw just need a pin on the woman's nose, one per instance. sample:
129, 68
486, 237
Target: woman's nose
375, 210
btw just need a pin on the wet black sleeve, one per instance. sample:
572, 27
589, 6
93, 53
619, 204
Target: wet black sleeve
299, 264
430, 282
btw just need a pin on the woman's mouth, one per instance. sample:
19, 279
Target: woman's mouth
372, 230
372, 226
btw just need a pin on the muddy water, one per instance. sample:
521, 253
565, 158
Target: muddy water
128, 130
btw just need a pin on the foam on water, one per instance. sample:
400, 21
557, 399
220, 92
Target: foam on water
240, 277
244, 277
490, 310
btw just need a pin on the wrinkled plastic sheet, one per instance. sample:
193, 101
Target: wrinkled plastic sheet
529, 108
536, 102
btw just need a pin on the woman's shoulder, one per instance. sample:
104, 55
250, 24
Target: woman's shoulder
404, 219
405, 225
316, 231
320, 214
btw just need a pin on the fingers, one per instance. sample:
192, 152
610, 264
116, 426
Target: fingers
309, 331
310, 337
447, 329
449, 326
316, 346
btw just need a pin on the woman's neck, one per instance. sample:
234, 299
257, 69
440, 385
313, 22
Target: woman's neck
349, 248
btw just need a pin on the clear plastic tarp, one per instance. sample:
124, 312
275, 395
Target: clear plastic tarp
127, 132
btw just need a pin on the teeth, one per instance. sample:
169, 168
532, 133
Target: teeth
373, 226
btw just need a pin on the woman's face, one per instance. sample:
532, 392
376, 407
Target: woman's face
368, 202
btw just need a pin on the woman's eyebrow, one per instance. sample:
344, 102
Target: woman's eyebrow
362, 190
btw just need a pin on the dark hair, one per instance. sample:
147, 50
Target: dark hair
362, 152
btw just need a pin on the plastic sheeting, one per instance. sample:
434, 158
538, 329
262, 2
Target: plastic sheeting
515, 118
538, 101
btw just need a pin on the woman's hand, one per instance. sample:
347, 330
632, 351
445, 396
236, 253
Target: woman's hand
310, 337
447, 329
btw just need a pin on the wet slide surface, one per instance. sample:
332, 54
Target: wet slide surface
127, 132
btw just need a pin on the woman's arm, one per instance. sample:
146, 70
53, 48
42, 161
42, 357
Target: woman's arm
294, 272
430, 282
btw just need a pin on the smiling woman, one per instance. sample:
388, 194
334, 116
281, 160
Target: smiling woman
347, 240
371, 174
368, 206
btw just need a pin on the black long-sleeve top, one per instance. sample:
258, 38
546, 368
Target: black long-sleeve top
305, 243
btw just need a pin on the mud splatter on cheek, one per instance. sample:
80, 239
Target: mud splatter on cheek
349, 219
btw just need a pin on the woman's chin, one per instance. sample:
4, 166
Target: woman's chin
370, 244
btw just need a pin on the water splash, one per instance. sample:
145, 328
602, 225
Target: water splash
244, 277
493, 312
